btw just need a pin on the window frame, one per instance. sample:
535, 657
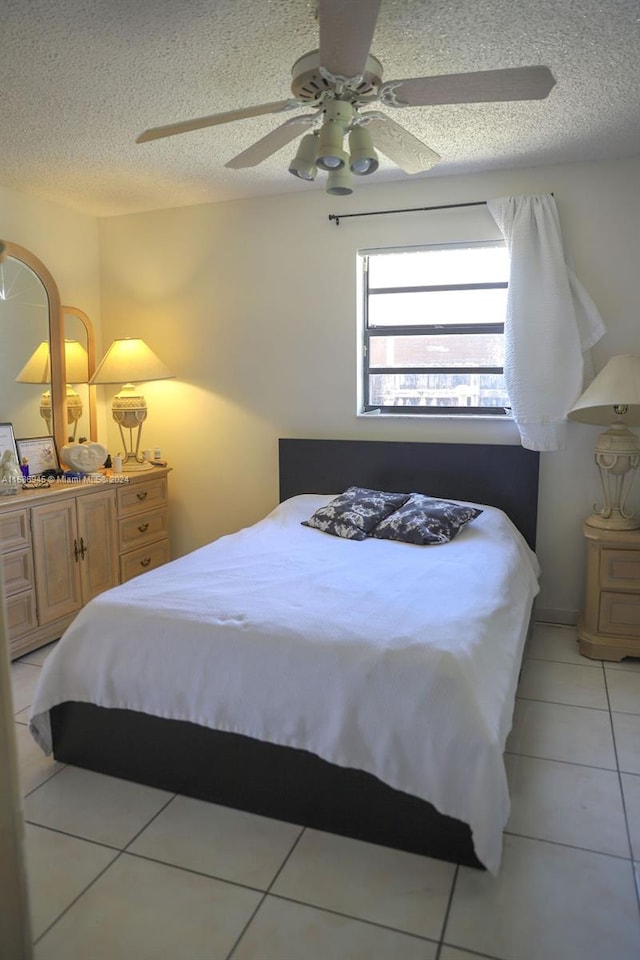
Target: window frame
367, 333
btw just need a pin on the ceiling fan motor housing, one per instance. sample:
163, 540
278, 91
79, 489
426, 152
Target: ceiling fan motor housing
310, 82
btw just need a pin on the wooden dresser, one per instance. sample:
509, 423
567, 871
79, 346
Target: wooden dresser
63, 545
143, 523
609, 628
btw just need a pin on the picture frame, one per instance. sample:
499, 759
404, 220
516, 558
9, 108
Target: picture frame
40, 452
7, 439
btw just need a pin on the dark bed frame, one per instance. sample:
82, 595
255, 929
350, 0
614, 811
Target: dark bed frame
283, 782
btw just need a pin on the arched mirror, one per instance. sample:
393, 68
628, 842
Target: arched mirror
80, 362
47, 355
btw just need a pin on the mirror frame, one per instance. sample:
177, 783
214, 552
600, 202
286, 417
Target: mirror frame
56, 335
91, 353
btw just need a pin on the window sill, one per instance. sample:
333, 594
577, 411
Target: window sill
377, 415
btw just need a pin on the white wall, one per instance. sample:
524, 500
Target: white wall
253, 303
65, 241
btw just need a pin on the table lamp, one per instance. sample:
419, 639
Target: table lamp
613, 400
129, 361
37, 369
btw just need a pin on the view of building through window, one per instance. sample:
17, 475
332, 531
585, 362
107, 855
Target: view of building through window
434, 329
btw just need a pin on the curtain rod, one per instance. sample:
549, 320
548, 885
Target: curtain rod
381, 213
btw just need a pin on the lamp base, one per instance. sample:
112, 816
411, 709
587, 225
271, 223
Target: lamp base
614, 522
134, 466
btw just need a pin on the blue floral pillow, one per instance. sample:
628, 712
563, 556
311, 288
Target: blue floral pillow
425, 520
355, 513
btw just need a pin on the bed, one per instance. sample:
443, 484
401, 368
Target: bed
398, 748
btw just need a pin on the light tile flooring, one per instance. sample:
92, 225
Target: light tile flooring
121, 871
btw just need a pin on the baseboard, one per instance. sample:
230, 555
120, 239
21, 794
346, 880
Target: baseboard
551, 615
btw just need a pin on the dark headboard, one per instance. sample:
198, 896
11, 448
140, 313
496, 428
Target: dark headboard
498, 475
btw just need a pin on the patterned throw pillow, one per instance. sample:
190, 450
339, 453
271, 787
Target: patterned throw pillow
425, 520
355, 513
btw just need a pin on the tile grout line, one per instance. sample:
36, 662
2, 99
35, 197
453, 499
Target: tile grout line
563, 703
164, 806
73, 836
570, 763
622, 796
79, 896
472, 953
447, 911
118, 851
351, 916
569, 846
320, 909
265, 893
54, 773
193, 872
593, 664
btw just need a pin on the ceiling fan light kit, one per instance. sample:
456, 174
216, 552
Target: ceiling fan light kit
361, 150
337, 81
339, 182
303, 164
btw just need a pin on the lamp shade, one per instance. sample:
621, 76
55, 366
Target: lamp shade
613, 396
37, 369
76, 362
130, 361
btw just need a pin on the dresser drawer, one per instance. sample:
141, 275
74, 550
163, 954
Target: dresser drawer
146, 558
620, 570
619, 614
14, 530
144, 528
17, 569
136, 497
21, 614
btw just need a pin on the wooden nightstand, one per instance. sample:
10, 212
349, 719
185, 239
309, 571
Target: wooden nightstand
609, 628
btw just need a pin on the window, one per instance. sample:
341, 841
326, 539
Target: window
434, 329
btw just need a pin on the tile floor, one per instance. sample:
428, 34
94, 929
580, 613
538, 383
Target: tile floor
119, 870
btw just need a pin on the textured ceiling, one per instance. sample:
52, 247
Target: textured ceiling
80, 79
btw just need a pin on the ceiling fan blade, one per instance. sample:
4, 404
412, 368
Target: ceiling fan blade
517, 83
156, 133
409, 153
346, 32
273, 142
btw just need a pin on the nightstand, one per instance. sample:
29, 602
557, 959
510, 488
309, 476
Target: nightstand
609, 628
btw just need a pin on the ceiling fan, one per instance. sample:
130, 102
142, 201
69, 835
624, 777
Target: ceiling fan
339, 81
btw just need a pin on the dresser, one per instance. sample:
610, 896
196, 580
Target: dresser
609, 627
61, 546
143, 524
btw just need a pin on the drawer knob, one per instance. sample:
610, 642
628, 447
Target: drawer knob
145, 562
142, 495
143, 527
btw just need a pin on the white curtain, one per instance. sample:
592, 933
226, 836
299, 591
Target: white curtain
550, 325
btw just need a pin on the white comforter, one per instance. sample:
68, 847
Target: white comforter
396, 659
